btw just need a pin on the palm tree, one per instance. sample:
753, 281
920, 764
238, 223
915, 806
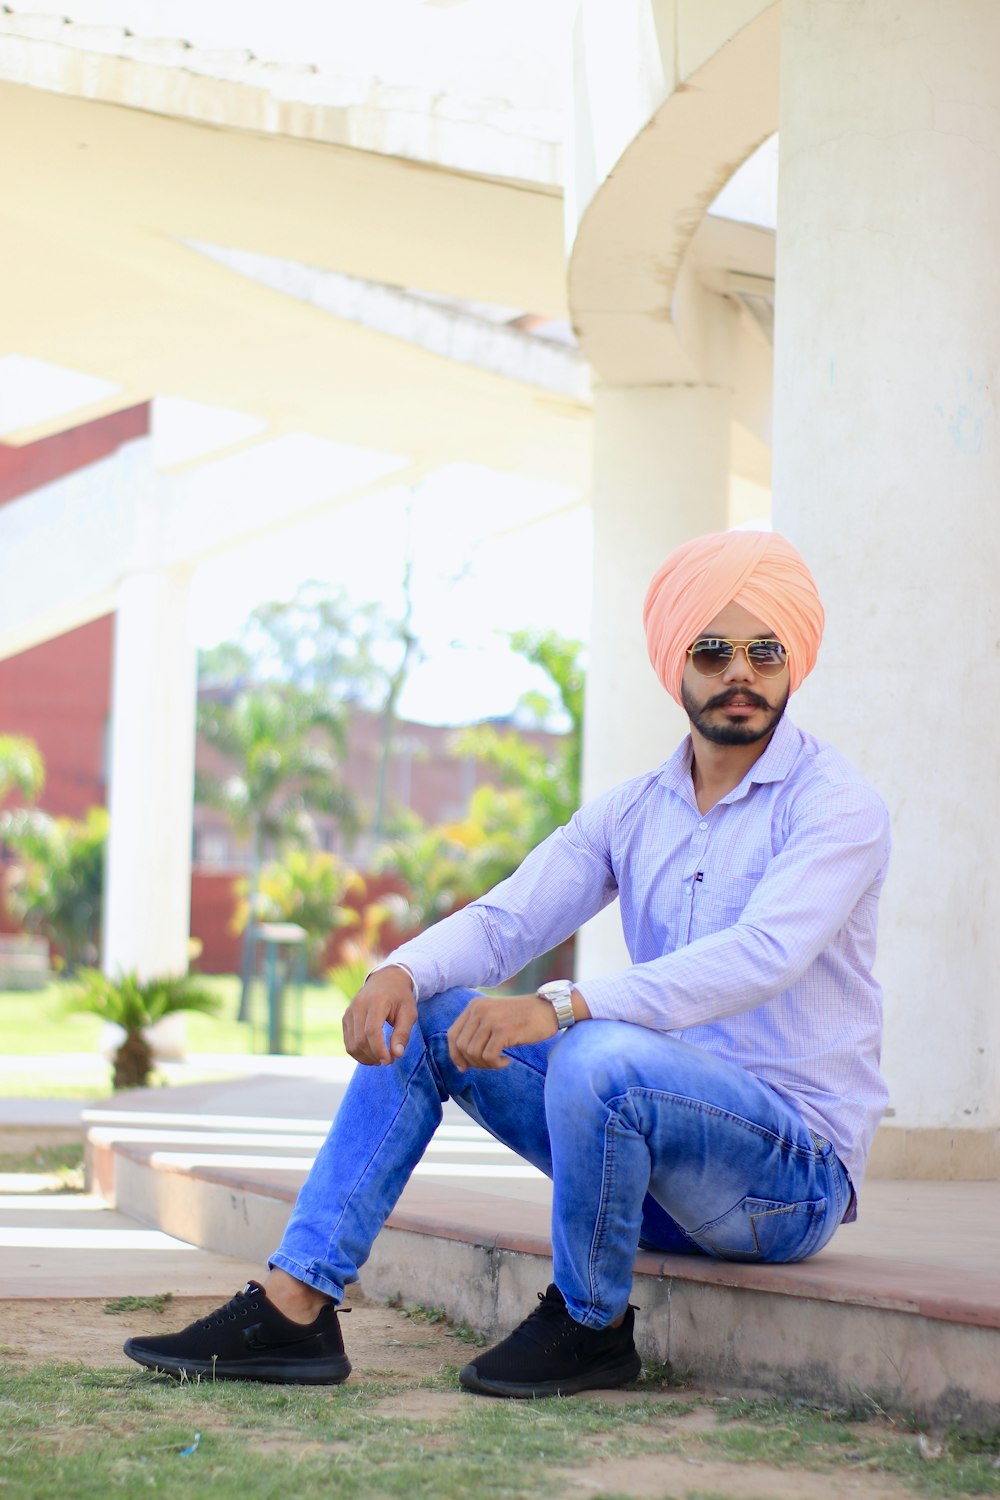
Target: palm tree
136, 1006
284, 744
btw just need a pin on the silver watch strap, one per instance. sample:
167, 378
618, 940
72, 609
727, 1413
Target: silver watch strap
559, 994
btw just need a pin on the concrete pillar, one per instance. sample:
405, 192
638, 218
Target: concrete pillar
148, 882
886, 467
661, 475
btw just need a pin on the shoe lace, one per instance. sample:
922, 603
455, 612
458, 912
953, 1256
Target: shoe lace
549, 1323
237, 1307
539, 1327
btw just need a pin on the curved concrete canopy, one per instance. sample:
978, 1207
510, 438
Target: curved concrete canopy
648, 161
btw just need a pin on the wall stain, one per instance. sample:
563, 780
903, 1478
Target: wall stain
966, 412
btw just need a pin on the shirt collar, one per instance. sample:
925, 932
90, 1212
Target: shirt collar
774, 765
780, 755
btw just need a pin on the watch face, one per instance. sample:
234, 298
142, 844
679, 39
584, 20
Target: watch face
559, 994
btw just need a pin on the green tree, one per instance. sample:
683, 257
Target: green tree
284, 744
56, 883
316, 655
366, 948
395, 672
318, 641
21, 768
447, 864
548, 779
452, 863
321, 642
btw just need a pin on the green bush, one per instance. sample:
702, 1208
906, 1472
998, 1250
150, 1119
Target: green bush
135, 1006
56, 885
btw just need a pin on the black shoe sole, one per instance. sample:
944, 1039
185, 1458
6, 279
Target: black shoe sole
330, 1371
605, 1379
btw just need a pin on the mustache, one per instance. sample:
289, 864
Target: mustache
721, 699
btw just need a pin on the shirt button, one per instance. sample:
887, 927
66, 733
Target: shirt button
703, 826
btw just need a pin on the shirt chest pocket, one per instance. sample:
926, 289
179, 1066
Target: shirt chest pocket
717, 901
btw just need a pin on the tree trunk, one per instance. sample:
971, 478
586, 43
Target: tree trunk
397, 681
133, 1062
248, 950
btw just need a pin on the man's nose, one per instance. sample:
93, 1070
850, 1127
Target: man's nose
739, 669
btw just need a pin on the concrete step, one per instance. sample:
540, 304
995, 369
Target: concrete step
903, 1310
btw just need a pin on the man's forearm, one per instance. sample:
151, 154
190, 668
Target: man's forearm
560, 884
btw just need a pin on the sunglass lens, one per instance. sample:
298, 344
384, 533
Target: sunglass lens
767, 657
711, 657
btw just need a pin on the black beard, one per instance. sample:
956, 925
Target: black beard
736, 732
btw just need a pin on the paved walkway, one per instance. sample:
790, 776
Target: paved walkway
55, 1244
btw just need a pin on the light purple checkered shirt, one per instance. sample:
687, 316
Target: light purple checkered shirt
751, 928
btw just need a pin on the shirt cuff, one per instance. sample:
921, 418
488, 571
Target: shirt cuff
607, 999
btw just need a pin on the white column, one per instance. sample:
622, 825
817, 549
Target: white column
886, 470
661, 476
148, 879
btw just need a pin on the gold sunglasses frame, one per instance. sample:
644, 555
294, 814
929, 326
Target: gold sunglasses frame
745, 645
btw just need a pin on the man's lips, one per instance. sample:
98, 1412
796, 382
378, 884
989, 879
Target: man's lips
739, 704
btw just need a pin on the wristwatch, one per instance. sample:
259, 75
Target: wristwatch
559, 994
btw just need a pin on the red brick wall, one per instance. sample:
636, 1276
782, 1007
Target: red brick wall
28, 467
213, 903
212, 907
59, 695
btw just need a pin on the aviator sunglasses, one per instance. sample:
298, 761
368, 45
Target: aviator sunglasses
711, 655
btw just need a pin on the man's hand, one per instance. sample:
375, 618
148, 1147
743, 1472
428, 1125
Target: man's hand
486, 1027
386, 995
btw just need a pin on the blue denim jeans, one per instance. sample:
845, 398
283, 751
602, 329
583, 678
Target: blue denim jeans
648, 1141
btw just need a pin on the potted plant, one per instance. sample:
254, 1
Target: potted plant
135, 1006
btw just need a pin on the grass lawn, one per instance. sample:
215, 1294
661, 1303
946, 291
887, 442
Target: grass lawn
91, 1433
37, 1022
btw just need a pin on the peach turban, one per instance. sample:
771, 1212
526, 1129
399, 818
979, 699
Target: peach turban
759, 570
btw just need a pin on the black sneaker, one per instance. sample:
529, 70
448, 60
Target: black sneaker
550, 1354
249, 1339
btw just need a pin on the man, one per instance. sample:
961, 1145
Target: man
717, 1097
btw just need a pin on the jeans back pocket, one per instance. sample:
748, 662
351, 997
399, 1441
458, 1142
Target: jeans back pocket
765, 1230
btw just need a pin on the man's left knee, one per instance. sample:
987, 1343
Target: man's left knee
590, 1056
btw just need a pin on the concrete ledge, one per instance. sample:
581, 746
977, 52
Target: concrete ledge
847, 1328
728, 1336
